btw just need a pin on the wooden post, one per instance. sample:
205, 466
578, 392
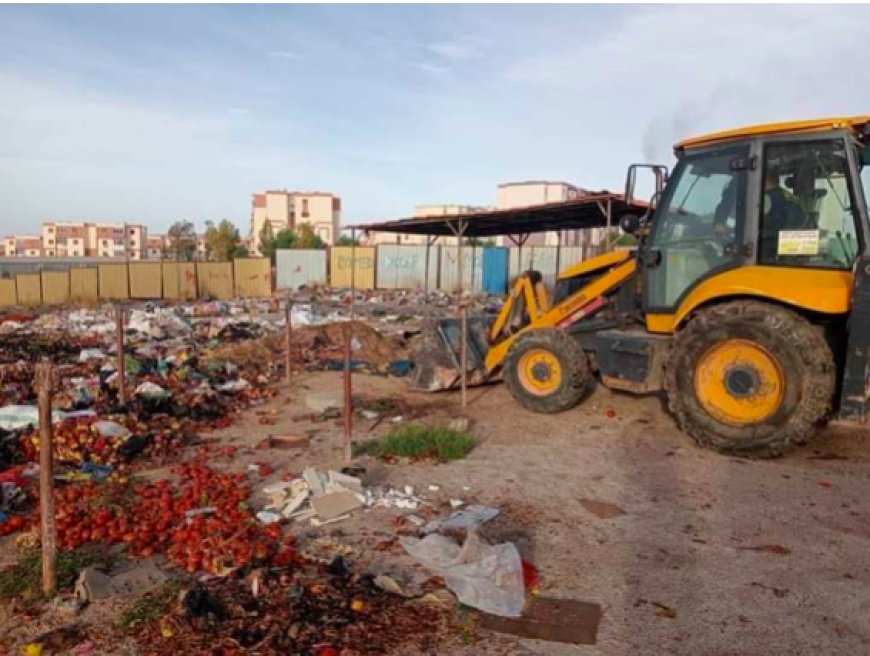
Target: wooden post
463, 351
347, 447
122, 373
44, 375
288, 360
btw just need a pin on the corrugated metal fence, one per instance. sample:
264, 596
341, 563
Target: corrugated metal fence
56, 281
404, 267
301, 267
390, 266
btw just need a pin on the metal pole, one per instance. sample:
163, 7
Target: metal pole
122, 378
558, 254
609, 214
43, 381
426, 275
463, 352
347, 451
288, 349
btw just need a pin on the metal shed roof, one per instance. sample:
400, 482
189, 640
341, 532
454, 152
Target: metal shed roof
589, 211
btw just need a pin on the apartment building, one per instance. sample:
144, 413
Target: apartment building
87, 239
288, 209
22, 246
155, 246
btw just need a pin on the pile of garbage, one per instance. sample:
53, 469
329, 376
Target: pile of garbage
300, 608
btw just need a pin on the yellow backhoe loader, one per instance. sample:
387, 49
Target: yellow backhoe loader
747, 299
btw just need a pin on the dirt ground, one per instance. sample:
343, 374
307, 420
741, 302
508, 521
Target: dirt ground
680, 572
711, 555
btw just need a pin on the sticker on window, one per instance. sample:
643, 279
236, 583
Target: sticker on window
798, 242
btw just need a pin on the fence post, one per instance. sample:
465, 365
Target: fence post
288, 360
122, 373
43, 379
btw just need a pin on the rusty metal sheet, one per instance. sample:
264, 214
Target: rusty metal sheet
84, 285
8, 296
114, 282
360, 260
555, 620
252, 277
214, 280
55, 287
29, 287
179, 280
146, 280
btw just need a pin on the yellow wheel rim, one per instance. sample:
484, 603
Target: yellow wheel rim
739, 382
540, 372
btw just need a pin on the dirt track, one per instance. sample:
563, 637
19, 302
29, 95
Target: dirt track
687, 541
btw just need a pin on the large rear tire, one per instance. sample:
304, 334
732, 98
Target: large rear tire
750, 378
547, 371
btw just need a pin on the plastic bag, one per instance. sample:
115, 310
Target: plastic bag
483, 576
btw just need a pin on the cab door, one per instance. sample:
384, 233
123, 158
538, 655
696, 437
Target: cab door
699, 227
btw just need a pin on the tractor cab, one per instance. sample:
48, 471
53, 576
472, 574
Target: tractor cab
786, 196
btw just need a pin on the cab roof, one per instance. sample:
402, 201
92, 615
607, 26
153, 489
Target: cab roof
812, 125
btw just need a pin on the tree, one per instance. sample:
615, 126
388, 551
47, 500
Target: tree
240, 251
285, 239
182, 241
267, 237
307, 238
221, 240
344, 240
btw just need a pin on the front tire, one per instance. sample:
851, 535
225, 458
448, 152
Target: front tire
547, 371
750, 378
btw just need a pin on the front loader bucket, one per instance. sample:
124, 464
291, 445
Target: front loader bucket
437, 363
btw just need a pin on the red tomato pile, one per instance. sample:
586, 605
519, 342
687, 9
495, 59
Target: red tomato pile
14, 523
151, 518
75, 440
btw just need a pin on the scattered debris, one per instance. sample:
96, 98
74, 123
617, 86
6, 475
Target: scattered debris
777, 549
463, 519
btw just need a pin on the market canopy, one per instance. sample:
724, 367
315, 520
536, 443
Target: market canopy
590, 211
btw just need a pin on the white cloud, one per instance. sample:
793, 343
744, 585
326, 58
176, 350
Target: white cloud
453, 50
683, 69
284, 54
431, 68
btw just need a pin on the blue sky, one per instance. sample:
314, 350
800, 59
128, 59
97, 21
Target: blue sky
155, 113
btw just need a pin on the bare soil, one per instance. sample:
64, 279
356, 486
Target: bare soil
687, 551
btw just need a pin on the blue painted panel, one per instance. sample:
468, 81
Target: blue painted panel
495, 270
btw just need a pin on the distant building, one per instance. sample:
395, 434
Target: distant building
85, 239
22, 246
156, 246
425, 210
288, 209
540, 192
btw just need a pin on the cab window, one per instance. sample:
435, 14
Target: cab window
807, 209
698, 223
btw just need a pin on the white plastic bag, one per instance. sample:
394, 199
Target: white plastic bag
483, 576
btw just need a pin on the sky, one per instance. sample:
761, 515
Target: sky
160, 113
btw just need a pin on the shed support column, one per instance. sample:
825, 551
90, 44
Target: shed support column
558, 256
463, 348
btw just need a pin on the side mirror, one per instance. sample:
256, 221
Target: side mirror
630, 224
659, 171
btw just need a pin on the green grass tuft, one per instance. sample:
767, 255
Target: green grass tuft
149, 607
419, 441
25, 578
